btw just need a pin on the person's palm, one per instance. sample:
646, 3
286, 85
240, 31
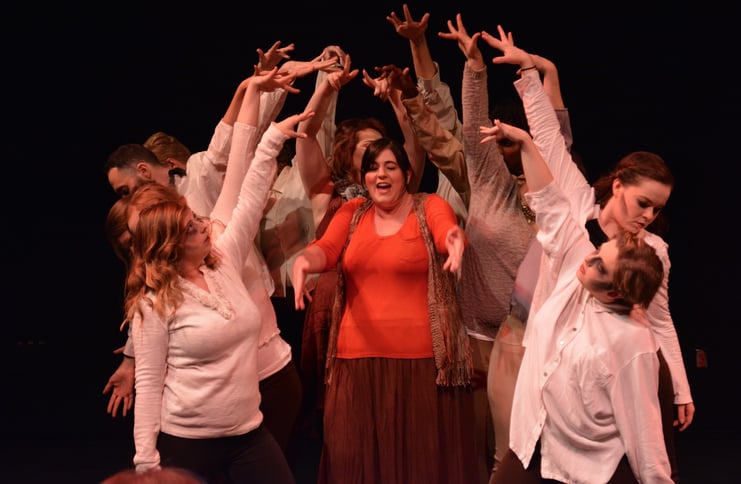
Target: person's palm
409, 28
121, 386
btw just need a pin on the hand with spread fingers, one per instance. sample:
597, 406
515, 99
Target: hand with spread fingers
275, 54
121, 387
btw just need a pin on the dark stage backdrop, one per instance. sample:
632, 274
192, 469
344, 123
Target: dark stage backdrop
81, 80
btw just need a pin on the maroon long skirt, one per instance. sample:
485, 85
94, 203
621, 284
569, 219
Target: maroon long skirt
386, 421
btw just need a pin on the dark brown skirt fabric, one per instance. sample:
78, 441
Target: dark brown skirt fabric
386, 421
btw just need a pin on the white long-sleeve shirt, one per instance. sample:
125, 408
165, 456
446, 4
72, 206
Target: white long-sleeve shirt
205, 172
196, 374
588, 384
274, 353
546, 132
201, 187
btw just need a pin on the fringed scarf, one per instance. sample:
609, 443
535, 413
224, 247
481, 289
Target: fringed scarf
450, 345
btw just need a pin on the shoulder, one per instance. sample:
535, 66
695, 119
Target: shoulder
655, 241
430, 202
659, 245
353, 204
196, 162
350, 207
431, 199
629, 338
145, 314
436, 210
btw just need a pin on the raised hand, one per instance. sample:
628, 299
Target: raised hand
342, 76
401, 80
304, 68
534, 166
511, 54
409, 28
271, 80
275, 54
501, 131
466, 43
397, 79
288, 125
380, 84
333, 52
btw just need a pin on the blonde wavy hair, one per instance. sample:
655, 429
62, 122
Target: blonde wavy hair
155, 251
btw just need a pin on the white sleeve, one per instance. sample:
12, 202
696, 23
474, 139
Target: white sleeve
151, 340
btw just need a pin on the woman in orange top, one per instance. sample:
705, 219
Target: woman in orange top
398, 404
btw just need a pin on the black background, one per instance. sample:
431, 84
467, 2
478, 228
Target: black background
81, 80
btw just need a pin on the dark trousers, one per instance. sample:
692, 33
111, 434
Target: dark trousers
666, 401
290, 322
254, 457
281, 403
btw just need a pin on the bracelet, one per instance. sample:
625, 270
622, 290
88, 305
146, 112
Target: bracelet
526, 68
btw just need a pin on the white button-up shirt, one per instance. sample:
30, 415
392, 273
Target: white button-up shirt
588, 384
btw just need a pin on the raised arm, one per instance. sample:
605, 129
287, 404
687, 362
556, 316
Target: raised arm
220, 144
417, 155
544, 125
444, 150
466, 43
245, 140
536, 170
436, 94
272, 102
414, 31
310, 157
331, 60
552, 88
236, 240
269, 59
474, 100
